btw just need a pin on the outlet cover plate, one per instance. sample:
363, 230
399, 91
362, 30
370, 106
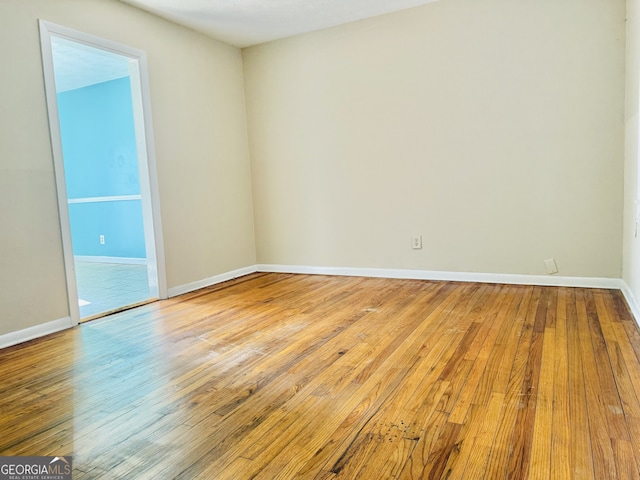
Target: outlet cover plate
551, 265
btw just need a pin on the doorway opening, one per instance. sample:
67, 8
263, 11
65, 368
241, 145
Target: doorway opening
97, 96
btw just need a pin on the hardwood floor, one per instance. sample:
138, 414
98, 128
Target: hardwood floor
314, 377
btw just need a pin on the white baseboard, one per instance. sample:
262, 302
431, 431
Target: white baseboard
207, 282
545, 280
13, 338
631, 301
123, 260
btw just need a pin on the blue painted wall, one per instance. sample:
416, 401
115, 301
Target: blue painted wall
119, 222
100, 160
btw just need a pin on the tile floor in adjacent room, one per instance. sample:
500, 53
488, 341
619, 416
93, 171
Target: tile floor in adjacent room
105, 287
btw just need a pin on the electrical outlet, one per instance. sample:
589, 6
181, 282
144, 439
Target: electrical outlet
101, 239
551, 265
416, 242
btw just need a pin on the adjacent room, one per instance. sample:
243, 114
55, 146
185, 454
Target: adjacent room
389, 239
101, 172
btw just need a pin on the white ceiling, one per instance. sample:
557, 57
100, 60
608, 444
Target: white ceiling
77, 65
249, 22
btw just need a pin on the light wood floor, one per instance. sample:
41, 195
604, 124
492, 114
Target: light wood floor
312, 377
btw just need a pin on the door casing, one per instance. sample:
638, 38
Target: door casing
144, 146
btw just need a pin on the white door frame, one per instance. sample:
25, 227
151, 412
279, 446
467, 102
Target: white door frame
145, 149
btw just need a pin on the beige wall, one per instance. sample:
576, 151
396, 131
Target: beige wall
202, 153
631, 266
494, 129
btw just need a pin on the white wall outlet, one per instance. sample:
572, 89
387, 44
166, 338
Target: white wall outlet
101, 239
416, 242
551, 265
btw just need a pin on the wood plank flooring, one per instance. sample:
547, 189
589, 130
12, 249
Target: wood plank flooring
316, 377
